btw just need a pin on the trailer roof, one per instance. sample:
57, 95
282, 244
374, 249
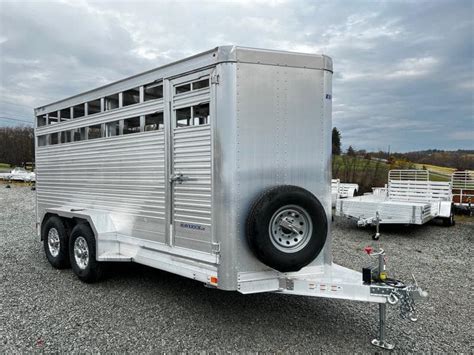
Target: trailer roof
208, 58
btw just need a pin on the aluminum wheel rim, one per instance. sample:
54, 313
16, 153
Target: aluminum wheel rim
53, 242
290, 228
81, 252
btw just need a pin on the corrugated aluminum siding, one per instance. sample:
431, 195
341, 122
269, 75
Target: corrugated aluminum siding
192, 198
124, 175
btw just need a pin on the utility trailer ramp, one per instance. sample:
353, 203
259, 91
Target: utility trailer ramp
463, 188
406, 202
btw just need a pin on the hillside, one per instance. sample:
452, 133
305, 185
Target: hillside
456, 159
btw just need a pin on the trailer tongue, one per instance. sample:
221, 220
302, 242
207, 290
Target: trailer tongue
334, 281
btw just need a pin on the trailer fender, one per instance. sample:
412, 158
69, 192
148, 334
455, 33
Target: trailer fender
445, 209
99, 221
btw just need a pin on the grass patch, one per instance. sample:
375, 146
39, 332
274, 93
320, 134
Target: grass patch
372, 173
435, 168
364, 172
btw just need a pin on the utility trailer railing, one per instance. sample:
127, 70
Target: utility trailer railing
379, 191
463, 189
409, 174
342, 190
419, 191
405, 201
334, 191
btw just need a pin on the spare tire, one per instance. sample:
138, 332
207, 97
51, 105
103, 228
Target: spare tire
287, 228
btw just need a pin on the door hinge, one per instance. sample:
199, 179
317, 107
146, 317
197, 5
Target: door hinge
215, 79
216, 248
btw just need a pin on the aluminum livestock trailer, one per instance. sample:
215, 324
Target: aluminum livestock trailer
409, 198
216, 167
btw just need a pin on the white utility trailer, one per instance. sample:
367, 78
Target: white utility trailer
409, 198
215, 167
19, 174
342, 190
463, 189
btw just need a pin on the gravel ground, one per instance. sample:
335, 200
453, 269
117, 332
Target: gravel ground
139, 309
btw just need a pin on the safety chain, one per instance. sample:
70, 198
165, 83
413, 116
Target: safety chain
407, 304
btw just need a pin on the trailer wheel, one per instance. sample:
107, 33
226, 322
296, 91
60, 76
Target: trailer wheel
287, 228
55, 242
82, 254
449, 221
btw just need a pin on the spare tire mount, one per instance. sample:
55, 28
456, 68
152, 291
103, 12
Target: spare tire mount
287, 228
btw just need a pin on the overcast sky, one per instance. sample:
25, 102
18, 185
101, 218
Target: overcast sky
403, 70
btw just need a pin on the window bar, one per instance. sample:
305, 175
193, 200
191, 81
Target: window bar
142, 123
142, 94
120, 103
120, 127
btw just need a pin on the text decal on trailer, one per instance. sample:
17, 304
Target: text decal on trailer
192, 226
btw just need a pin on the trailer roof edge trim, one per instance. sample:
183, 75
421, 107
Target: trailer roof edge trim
221, 54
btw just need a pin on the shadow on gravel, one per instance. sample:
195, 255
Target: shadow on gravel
234, 310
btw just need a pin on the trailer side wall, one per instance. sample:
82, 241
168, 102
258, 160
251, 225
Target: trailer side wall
279, 134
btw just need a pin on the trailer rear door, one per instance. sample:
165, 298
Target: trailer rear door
191, 162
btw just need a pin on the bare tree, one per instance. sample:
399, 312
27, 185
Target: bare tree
16, 145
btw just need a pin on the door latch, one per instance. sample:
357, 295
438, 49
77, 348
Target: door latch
215, 79
180, 178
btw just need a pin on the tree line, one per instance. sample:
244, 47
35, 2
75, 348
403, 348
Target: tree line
457, 159
17, 145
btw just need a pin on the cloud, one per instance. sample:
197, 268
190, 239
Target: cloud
464, 135
403, 70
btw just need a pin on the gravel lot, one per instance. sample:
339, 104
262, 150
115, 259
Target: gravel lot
139, 309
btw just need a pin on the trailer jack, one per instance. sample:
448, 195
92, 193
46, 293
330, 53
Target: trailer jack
380, 341
396, 292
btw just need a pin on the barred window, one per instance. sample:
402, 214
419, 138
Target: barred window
131, 125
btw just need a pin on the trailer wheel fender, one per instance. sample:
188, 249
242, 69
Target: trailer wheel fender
286, 228
55, 238
449, 221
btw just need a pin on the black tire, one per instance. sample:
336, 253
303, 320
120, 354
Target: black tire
90, 271
449, 222
56, 242
264, 242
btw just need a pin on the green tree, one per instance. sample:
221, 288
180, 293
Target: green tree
351, 151
336, 141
